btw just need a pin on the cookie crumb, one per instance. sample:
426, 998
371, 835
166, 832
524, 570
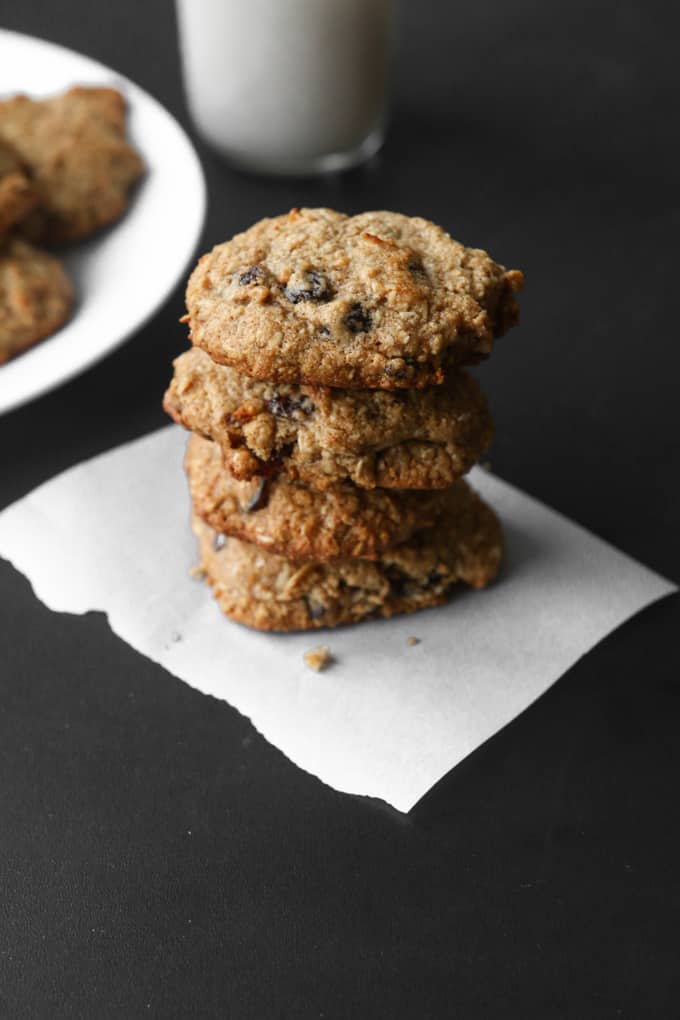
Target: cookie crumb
318, 658
413, 641
197, 571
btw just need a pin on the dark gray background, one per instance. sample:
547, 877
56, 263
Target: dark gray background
157, 857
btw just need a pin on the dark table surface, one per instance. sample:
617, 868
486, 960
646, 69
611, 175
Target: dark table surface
157, 857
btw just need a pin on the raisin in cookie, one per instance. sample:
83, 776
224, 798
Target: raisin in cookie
272, 593
377, 300
403, 439
35, 296
17, 194
81, 164
301, 523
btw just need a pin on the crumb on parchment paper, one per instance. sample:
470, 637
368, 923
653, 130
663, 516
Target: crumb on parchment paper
412, 640
318, 658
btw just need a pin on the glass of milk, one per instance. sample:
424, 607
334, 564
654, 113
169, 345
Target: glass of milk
288, 86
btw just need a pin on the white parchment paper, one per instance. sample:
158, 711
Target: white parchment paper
386, 719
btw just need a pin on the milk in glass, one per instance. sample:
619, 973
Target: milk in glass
288, 86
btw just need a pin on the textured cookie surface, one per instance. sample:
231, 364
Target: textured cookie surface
376, 300
403, 439
17, 194
272, 593
35, 296
81, 165
301, 523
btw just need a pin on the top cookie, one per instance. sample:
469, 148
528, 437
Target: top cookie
81, 165
378, 300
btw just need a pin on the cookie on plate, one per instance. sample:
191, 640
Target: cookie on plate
293, 520
82, 167
269, 592
36, 296
377, 300
401, 439
17, 194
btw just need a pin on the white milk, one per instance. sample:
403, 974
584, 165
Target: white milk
287, 86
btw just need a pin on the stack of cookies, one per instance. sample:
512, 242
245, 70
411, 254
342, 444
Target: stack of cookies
332, 419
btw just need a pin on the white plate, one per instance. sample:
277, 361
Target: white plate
123, 275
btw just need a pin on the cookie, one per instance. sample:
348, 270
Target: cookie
269, 592
377, 300
17, 194
81, 164
293, 520
36, 296
402, 439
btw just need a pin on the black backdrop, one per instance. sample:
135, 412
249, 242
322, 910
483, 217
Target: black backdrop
157, 857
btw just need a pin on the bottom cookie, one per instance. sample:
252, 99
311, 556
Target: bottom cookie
269, 592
